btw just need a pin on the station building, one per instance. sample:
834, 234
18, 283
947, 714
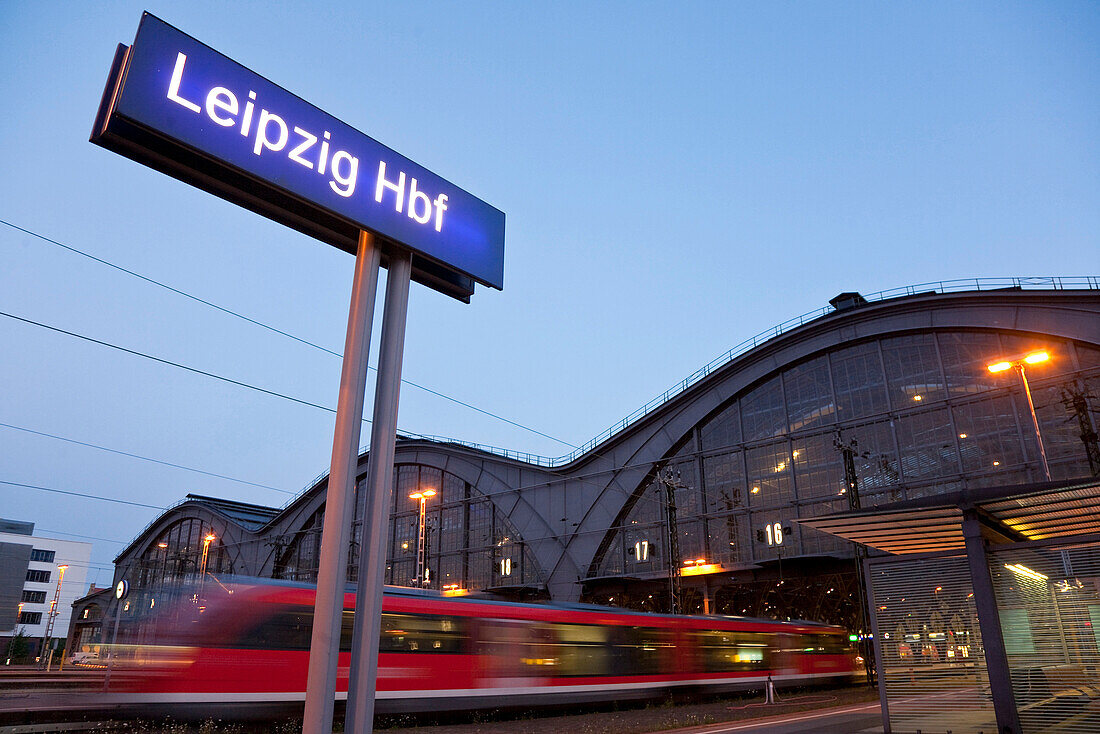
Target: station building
871, 400
40, 577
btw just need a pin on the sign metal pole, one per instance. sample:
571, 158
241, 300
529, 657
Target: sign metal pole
114, 643
376, 502
122, 588
339, 504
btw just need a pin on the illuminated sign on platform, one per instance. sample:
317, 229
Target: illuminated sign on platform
187, 110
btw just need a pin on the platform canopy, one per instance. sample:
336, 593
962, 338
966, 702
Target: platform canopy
1016, 513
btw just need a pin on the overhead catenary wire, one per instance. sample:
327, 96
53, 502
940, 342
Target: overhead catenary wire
143, 458
240, 383
235, 314
170, 363
83, 494
78, 535
273, 393
181, 366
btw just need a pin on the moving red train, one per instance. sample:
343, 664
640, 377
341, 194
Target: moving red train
437, 652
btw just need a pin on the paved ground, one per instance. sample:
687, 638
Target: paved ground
843, 710
863, 718
797, 711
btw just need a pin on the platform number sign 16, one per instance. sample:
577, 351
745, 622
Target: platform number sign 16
773, 534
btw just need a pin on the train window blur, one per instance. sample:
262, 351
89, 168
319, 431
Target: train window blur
286, 628
520, 649
582, 649
422, 633
291, 628
823, 644
511, 648
727, 652
639, 650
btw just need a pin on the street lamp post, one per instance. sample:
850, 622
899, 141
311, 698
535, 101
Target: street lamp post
423, 496
52, 617
202, 566
1018, 365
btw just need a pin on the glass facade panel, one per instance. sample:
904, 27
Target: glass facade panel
403, 572
481, 524
927, 445
689, 496
725, 481
175, 555
728, 542
965, 357
692, 541
404, 536
858, 381
809, 395
876, 458
649, 506
299, 561
1091, 396
463, 537
769, 475
1063, 414
818, 466
408, 479
480, 571
992, 437
912, 370
453, 532
762, 412
450, 570
722, 430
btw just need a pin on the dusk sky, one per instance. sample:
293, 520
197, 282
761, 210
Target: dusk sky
676, 177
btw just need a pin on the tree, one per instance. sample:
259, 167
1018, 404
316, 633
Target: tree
19, 647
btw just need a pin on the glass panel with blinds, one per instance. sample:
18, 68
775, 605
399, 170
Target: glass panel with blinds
1048, 600
930, 646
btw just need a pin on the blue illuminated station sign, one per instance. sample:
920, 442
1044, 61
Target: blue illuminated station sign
178, 106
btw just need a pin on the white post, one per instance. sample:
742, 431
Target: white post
332, 568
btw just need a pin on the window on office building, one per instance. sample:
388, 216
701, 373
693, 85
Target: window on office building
34, 597
30, 618
41, 577
45, 556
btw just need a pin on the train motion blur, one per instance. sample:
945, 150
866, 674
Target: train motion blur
249, 646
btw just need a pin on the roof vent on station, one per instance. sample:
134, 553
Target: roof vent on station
847, 301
